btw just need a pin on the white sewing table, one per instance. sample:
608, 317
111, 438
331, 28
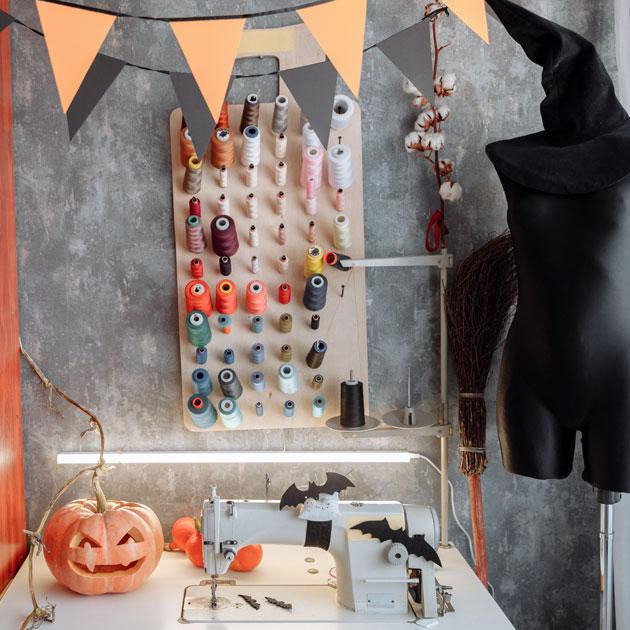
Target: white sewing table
157, 604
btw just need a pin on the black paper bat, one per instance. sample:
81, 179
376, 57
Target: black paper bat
335, 482
415, 545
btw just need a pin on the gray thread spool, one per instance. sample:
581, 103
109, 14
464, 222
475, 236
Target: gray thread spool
257, 324
289, 408
193, 176
257, 380
230, 385
280, 120
229, 356
258, 353
259, 409
315, 355
315, 292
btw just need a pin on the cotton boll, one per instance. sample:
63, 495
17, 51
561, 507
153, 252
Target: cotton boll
445, 85
425, 120
443, 112
446, 167
410, 88
420, 102
433, 141
451, 191
412, 142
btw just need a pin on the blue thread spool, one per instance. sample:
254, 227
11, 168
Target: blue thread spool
288, 379
289, 408
201, 381
230, 414
257, 324
202, 412
318, 406
257, 379
202, 355
225, 323
258, 353
228, 356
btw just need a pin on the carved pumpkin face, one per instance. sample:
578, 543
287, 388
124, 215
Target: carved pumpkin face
93, 553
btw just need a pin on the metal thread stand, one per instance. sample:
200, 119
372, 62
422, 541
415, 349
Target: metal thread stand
441, 429
606, 500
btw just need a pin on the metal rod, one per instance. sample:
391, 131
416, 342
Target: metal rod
606, 534
430, 260
443, 415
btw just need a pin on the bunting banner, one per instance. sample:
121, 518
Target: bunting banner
210, 48
473, 14
339, 28
73, 38
313, 87
5, 20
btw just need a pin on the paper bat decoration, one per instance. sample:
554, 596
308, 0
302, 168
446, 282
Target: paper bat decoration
415, 545
335, 482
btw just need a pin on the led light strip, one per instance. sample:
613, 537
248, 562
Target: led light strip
241, 457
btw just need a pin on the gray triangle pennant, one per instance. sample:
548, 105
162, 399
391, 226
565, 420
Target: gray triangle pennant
313, 87
97, 80
410, 52
198, 118
5, 20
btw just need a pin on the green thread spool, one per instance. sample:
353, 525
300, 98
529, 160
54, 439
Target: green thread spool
198, 329
257, 324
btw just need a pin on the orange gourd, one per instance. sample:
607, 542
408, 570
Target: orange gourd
183, 528
194, 549
247, 558
93, 552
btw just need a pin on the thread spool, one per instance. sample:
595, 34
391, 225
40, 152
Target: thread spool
312, 166
315, 356
311, 232
280, 118
224, 236
225, 323
309, 137
198, 297
196, 268
283, 263
229, 383
256, 297
195, 238
315, 319
194, 207
201, 355
340, 166
285, 323
193, 176
343, 108
340, 200
223, 204
251, 176
222, 149
311, 198
225, 297
251, 203
352, 415
318, 406
202, 412
223, 177
225, 265
286, 354
257, 380
281, 146
229, 356
281, 203
252, 234
281, 174
257, 324
315, 292
284, 293
186, 146
231, 416
342, 237
282, 234
317, 382
289, 408
198, 329
224, 117
201, 381
250, 151
259, 409
251, 109
314, 261
257, 353
288, 379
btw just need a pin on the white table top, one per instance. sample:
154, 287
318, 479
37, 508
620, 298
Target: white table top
157, 604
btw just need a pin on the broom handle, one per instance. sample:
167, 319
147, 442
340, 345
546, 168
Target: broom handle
478, 528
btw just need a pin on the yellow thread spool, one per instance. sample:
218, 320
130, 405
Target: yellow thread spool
314, 262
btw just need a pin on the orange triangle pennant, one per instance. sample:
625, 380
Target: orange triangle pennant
473, 14
73, 38
210, 47
339, 28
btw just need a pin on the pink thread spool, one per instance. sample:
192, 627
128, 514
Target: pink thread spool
312, 166
282, 234
194, 207
311, 200
340, 200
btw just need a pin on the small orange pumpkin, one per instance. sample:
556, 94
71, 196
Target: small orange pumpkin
247, 558
94, 552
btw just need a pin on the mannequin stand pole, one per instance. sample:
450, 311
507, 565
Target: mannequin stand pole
606, 500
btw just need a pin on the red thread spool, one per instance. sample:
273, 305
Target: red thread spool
331, 259
225, 301
284, 293
224, 236
194, 207
256, 297
196, 268
198, 297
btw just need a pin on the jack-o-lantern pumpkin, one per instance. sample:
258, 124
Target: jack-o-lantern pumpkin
93, 552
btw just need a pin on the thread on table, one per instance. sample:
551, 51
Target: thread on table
257, 380
318, 406
198, 329
196, 268
343, 108
254, 241
225, 323
256, 297
315, 292
201, 381
198, 297
250, 151
317, 382
259, 409
309, 137
315, 320
195, 238
340, 200
194, 207
283, 263
201, 355
223, 204
281, 174
225, 298
285, 322
311, 232
352, 415
286, 354
289, 408
229, 356
230, 414
342, 237
257, 353
251, 204
229, 383
257, 324
222, 149
280, 118
224, 236
313, 261
225, 265
282, 234
255, 264
251, 110
202, 412
281, 146
315, 356
193, 176
312, 166
281, 203
288, 379
284, 293
251, 176
186, 147
223, 177
340, 166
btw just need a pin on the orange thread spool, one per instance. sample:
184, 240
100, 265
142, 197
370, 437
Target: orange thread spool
331, 259
284, 293
196, 268
198, 297
256, 297
186, 147
224, 119
222, 148
225, 301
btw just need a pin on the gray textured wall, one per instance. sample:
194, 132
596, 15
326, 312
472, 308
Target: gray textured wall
98, 302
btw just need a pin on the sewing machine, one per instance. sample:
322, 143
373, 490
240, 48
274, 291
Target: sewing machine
376, 575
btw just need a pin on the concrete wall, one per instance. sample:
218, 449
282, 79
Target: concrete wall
98, 302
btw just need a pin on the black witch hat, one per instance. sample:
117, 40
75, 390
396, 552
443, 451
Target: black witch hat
586, 142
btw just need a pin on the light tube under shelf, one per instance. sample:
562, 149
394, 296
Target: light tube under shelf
240, 457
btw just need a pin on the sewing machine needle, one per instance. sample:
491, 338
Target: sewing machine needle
213, 597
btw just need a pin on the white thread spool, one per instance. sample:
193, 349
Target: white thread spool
250, 153
343, 108
342, 238
281, 174
281, 146
251, 202
282, 234
283, 263
340, 166
224, 204
230, 414
288, 379
251, 176
312, 166
253, 236
255, 264
281, 203
311, 199
309, 137
223, 177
